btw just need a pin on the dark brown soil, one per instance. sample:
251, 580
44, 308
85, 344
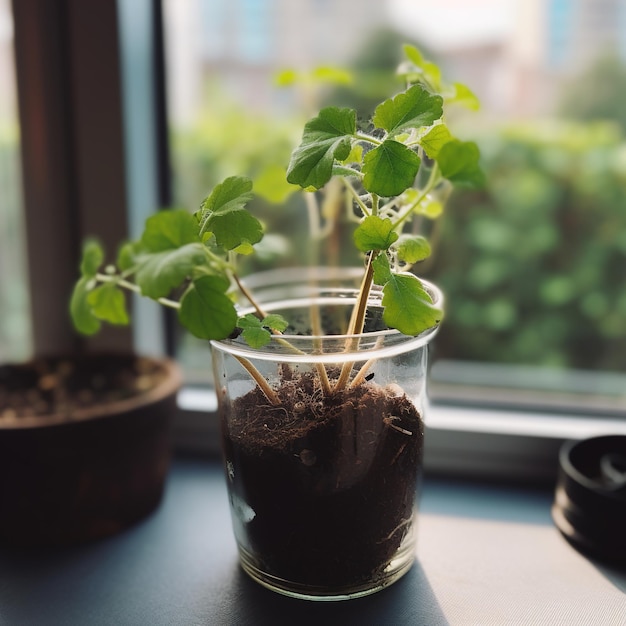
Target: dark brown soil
331, 481
65, 386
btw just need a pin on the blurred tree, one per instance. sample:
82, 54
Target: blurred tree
598, 94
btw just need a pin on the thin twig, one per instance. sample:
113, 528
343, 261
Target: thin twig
270, 394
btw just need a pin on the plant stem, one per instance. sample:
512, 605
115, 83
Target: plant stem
121, 282
357, 321
249, 297
357, 198
270, 394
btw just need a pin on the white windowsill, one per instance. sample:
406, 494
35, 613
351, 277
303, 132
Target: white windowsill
468, 442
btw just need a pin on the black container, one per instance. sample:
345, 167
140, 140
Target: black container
590, 501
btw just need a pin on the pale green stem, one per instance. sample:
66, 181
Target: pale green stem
357, 322
121, 282
357, 198
368, 138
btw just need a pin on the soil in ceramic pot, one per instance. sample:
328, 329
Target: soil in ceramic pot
65, 386
84, 446
327, 485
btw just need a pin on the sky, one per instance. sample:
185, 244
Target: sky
453, 23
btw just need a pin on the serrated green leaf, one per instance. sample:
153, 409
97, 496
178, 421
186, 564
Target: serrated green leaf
412, 249
326, 137
167, 230
229, 196
224, 214
108, 303
275, 322
249, 321
390, 168
382, 269
414, 108
160, 272
459, 163
235, 228
374, 233
84, 320
92, 259
407, 305
206, 311
435, 139
256, 337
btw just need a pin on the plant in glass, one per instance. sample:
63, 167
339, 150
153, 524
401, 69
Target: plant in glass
320, 384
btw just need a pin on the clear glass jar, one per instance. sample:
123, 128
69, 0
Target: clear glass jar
324, 466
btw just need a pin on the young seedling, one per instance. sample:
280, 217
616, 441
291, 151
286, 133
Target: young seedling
393, 167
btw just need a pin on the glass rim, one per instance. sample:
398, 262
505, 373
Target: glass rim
286, 347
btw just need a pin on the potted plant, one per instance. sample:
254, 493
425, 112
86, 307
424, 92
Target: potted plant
320, 385
84, 445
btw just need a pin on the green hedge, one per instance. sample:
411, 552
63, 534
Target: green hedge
534, 267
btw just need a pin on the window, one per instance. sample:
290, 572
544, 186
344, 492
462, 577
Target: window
15, 338
527, 321
533, 267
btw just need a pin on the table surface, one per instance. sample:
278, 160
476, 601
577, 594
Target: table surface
486, 555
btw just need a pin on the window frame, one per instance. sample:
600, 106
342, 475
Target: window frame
62, 46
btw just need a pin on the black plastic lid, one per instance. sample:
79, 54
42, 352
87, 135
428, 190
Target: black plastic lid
590, 500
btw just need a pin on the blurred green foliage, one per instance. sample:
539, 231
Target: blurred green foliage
534, 268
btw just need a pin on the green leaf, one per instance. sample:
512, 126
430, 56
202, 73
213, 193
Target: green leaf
167, 230
253, 332
407, 305
235, 228
413, 249
286, 77
160, 272
435, 139
275, 322
413, 54
206, 311
382, 269
256, 337
126, 255
84, 320
92, 259
232, 193
390, 168
459, 163
326, 137
224, 214
430, 208
108, 303
413, 108
249, 321
331, 75
465, 96
374, 233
